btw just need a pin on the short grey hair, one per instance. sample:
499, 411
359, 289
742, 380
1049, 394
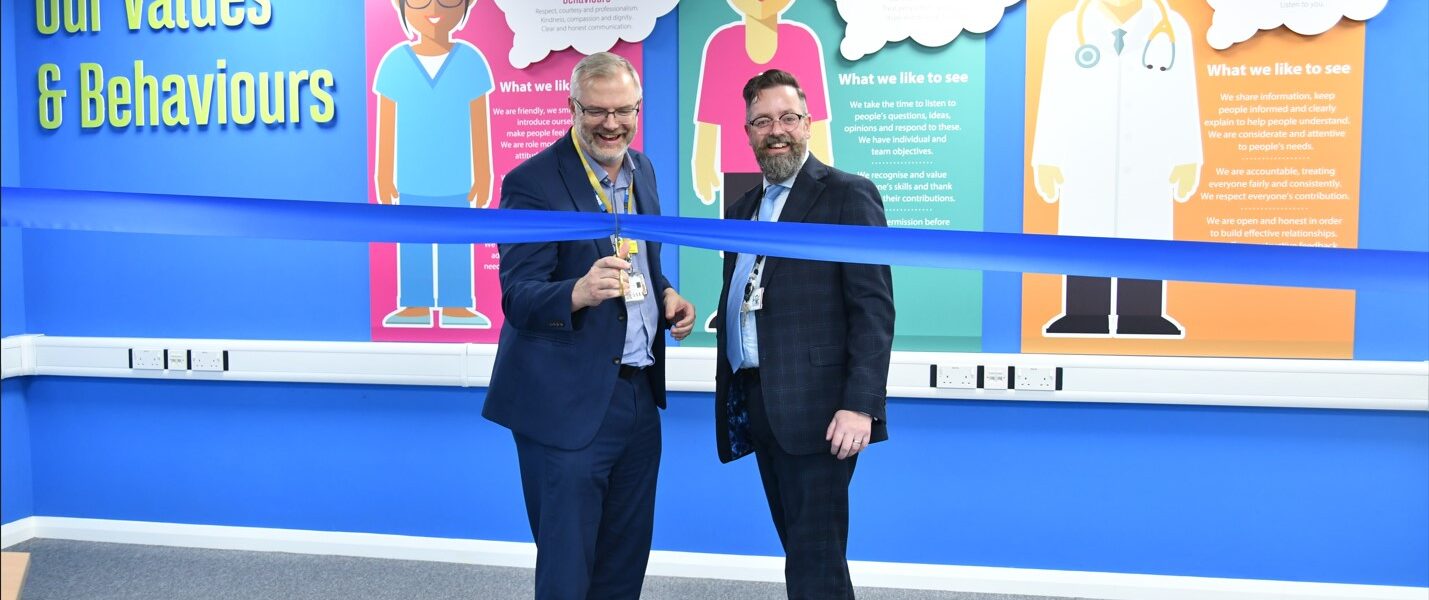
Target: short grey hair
602, 65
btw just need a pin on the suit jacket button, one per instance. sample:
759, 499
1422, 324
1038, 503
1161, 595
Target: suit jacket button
621, 318
615, 361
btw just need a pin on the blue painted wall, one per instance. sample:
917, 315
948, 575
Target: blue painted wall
1391, 326
15, 490
1338, 496
9, 136
16, 493
12, 281
1313, 495
12, 278
17, 498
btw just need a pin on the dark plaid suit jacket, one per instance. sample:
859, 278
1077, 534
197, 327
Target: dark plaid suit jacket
826, 329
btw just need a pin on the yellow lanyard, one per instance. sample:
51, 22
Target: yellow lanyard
605, 203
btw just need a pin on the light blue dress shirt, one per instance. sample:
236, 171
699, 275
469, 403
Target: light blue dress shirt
641, 317
748, 332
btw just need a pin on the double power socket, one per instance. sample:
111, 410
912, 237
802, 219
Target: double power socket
177, 359
996, 377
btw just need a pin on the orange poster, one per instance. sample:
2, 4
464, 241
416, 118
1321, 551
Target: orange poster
1138, 128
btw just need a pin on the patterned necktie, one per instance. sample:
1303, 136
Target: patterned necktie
743, 266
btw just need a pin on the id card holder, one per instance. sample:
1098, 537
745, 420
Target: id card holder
635, 289
756, 300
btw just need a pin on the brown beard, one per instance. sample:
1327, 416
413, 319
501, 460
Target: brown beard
782, 167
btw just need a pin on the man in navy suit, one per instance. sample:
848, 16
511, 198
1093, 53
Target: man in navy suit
803, 345
580, 368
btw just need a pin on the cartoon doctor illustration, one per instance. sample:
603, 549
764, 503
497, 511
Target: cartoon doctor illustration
1117, 138
434, 149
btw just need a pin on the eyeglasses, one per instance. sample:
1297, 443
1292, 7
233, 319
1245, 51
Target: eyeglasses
421, 4
624, 114
788, 120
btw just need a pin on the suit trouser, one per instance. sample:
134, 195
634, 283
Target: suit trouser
808, 498
592, 510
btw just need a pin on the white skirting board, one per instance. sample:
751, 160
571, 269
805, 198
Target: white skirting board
1298, 383
17, 531
994, 580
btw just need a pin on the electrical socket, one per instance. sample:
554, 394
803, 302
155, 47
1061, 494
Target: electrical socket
956, 377
146, 358
995, 378
209, 360
1043, 379
176, 359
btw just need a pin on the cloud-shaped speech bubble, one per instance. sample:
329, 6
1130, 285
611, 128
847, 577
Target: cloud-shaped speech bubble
932, 23
1236, 20
589, 26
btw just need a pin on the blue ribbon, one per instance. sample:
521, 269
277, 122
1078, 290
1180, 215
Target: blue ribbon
1255, 264
120, 212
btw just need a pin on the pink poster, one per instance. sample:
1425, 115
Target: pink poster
446, 121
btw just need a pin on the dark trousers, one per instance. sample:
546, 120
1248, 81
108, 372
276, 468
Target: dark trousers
592, 510
808, 498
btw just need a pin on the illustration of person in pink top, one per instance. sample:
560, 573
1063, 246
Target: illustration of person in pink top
734, 54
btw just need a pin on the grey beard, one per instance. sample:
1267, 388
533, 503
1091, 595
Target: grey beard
606, 158
783, 166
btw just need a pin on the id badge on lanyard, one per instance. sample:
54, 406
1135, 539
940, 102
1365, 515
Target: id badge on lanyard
753, 292
632, 281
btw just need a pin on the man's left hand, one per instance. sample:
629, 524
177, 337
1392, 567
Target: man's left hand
848, 433
680, 314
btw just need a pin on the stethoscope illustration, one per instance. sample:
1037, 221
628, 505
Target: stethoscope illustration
1088, 55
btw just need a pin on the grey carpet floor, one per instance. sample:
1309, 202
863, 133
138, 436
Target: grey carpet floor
68, 570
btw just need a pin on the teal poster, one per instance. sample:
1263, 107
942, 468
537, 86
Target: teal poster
909, 117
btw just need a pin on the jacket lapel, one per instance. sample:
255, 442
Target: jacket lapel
582, 195
647, 202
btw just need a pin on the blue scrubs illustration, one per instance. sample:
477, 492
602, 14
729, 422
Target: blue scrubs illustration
434, 150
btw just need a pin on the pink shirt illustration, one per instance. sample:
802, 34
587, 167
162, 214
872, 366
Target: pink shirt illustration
727, 67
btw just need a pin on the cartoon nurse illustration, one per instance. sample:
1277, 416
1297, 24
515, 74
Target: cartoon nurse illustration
1117, 139
733, 54
433, 149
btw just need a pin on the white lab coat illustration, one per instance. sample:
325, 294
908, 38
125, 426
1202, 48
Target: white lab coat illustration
1117, 128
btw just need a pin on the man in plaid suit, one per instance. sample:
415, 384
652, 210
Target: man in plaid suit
803, 345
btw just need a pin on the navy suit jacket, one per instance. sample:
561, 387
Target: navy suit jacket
555, 370
826, 329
